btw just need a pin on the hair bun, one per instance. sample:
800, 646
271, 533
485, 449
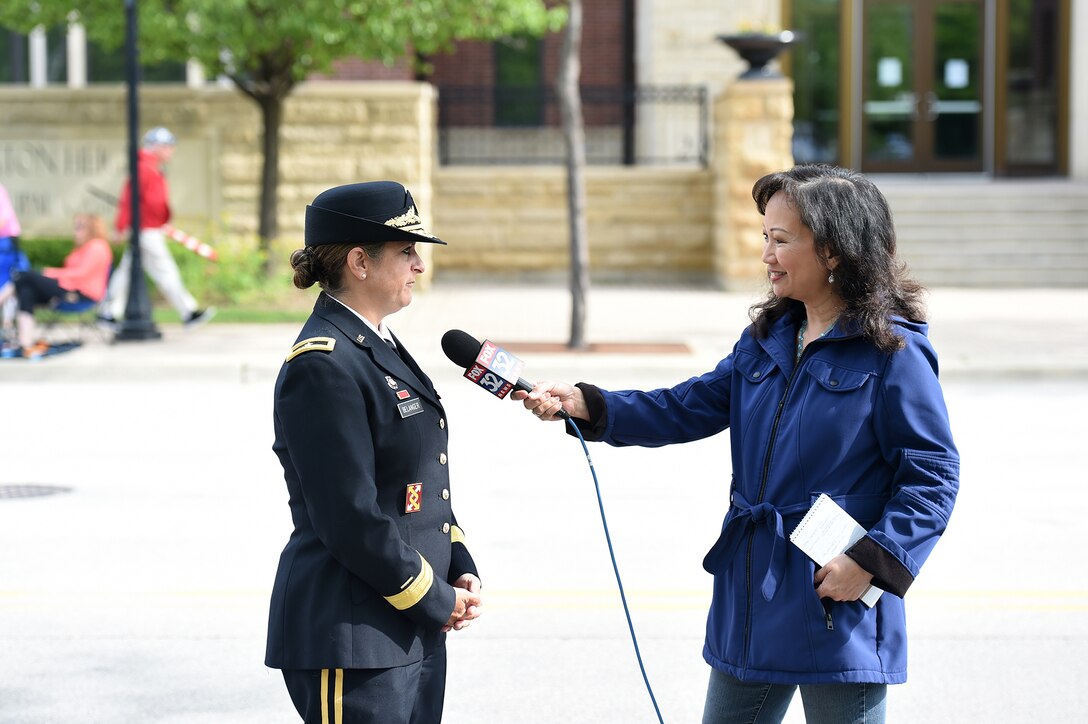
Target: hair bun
302, 261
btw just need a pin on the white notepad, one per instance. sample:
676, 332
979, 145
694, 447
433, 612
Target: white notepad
826, 531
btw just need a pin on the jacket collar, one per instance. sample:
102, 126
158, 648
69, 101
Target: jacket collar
401, 365
781, 343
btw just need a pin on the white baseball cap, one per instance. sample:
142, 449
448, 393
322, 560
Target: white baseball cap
159, 136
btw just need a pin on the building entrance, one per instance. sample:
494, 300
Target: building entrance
923, 81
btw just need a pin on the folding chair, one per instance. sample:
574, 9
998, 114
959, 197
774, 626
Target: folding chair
65, 322
75, 317
12, 258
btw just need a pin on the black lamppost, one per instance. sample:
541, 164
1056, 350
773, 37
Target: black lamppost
137, 324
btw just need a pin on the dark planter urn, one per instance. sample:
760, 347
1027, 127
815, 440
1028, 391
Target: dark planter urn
758, 50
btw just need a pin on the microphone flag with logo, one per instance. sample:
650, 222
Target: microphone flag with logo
487, 365
493, 368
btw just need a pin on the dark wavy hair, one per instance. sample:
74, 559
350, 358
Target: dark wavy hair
850, 219
324, 264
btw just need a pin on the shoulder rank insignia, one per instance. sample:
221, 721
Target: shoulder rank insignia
321, 344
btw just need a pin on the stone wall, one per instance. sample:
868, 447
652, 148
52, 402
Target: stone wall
677, 39
643, 222
753, 129
64, 150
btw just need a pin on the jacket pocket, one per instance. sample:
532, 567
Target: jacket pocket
752, 368
836, 379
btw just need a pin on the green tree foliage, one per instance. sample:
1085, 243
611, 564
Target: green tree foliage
266, 47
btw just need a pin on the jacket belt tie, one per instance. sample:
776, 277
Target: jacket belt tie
761, 515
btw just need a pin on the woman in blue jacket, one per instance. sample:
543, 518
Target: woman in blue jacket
832, 389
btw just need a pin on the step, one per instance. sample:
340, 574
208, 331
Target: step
1023, 277
1030, 236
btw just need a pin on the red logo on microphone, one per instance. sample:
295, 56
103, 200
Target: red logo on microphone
495, 369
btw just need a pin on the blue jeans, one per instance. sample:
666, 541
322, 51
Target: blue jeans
731, 701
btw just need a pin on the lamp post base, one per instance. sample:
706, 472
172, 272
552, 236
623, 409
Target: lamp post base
135, 330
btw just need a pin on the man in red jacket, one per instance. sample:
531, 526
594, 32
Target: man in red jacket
158, 149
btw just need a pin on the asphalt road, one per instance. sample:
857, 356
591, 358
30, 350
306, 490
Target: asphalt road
139, 592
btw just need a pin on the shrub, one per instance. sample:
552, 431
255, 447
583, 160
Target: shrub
235, 280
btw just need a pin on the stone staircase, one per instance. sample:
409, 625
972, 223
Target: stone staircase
980, 232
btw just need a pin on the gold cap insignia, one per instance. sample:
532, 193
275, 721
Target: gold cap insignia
409, 221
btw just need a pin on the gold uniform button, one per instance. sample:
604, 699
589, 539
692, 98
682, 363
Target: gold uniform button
442, 458
445, 527
442, 423
445, 493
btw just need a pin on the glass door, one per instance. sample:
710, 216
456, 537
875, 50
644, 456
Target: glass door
1032, 67
922, 95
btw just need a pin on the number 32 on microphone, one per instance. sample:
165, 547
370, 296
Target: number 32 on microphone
495, 369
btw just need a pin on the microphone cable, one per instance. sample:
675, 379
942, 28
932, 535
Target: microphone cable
615, 568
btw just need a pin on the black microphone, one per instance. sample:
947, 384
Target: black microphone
487, 365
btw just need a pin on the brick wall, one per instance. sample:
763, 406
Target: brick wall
472, 62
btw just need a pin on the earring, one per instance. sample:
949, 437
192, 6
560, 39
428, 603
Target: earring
831, 278
362, 276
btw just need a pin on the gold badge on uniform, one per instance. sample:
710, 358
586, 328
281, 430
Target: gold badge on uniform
413, 498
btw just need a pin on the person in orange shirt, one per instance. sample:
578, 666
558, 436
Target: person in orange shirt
82, 278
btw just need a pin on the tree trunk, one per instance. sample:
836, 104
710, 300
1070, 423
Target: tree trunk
570, 105
267, 224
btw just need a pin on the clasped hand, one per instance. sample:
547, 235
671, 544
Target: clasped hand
467, 605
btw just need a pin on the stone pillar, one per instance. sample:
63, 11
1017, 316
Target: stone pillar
753, 133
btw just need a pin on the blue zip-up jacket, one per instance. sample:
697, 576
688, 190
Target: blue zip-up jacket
868, 428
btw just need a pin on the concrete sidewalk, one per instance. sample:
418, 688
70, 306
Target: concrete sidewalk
975, 332
137, 591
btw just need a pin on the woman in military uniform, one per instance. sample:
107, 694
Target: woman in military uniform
376, 570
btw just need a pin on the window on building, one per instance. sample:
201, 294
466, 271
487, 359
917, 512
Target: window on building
13, 57
108, 66
1031, 108
56, 55
519, 99
815, 65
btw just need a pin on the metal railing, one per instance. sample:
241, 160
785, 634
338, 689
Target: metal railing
641, 125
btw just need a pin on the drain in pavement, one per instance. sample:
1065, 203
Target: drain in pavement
30, 491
